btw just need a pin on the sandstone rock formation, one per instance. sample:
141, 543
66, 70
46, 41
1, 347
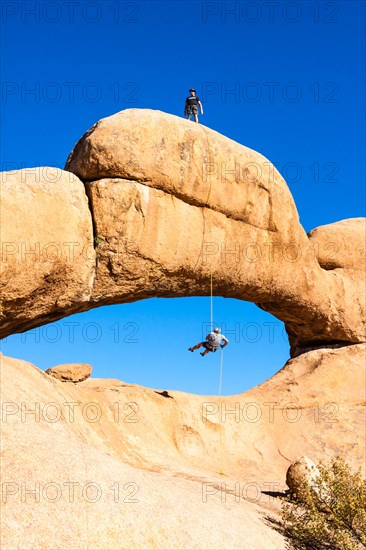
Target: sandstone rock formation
340, 244
70, 372
190, 162
115, 459
171, 202
48, 258
162, 204
155, 181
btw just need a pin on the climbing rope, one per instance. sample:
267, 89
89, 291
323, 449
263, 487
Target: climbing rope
209, 205
220, 377
211, 302
211, 314
220, 423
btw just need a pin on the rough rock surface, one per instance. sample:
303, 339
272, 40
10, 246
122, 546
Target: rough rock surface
48, 258
192, 163
146, 249
301, 472
71, 372
128, 469
340, 244
173, 200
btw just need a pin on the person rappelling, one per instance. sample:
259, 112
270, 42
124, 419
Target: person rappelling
192, 104
213, 342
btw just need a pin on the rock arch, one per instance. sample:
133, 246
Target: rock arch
149, 205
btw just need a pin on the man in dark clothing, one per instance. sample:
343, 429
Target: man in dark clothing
192, 104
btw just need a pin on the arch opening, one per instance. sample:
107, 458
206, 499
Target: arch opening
145, 343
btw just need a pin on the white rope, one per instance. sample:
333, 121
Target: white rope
220, 387
211, 307
212, 326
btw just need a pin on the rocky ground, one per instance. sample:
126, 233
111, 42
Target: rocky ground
103, 464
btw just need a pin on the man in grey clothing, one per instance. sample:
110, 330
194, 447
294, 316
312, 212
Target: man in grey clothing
212, 343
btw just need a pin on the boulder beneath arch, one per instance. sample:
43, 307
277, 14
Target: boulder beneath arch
70, 372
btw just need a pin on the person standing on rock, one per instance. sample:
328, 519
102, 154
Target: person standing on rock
212, 343
192, 104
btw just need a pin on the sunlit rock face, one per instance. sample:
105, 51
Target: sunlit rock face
47, 252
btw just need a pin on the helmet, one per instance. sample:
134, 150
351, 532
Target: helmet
192, 90
217, 330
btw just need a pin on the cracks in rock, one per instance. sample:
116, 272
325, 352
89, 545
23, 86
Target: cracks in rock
139, 208
182, 197
90, 204
283, 456
271, 225
319, 345
95, 238
109, 266
165, 393
258, 451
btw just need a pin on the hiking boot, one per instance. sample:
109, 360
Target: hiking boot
202, 353
190, 349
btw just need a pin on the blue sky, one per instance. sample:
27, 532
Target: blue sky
284, 78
